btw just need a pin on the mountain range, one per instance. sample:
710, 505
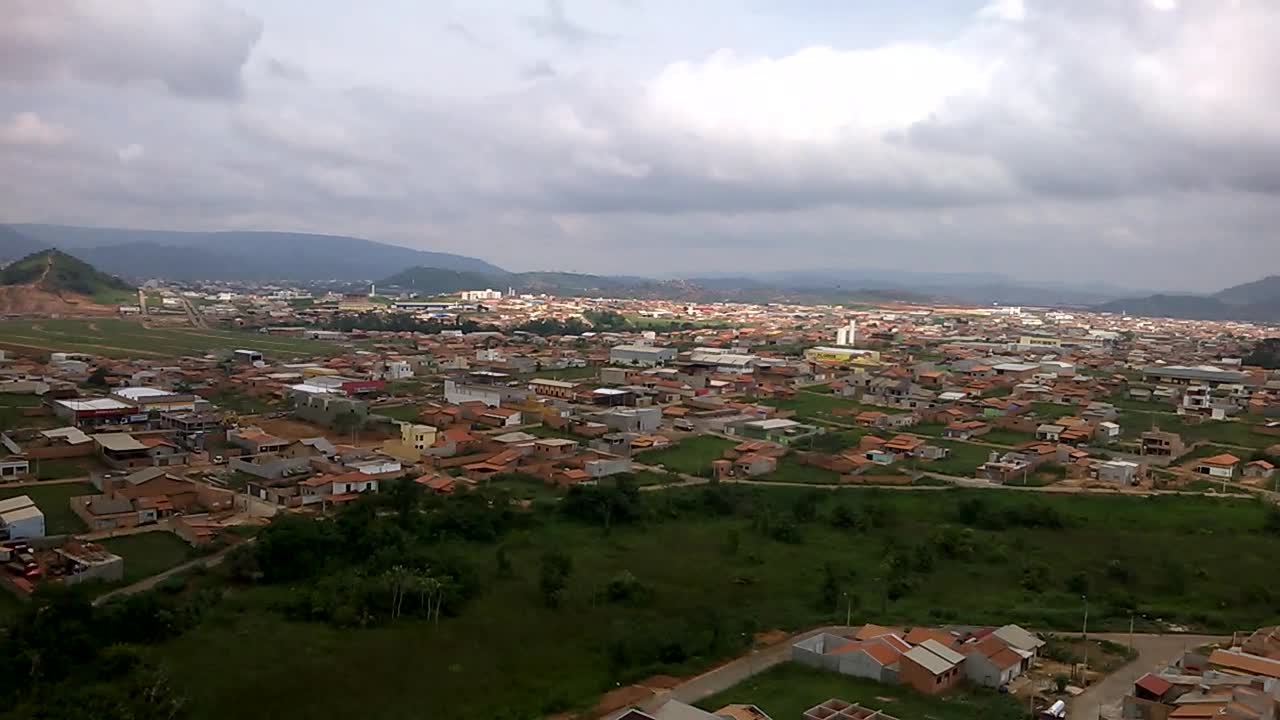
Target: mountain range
234, 255
254, 256
1257, 301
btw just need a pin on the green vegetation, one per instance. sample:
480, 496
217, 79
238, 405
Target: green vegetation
808, 405
1001, 436
56, 271
11, 409
963, 461
54, 500
10, 608
59, 469
790, 689
148, 554
407, 413
1053, 411
609, 585
568, 373
692, 456
1233, 432
1266, 354
126, 339
240, 403
792, 470
1204, 451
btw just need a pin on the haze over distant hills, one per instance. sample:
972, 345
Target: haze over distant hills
1257, 301
300, 257
236, 255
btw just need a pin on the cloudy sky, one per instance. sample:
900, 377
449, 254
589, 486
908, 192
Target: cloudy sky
1125, 141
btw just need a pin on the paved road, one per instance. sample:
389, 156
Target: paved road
1104, 699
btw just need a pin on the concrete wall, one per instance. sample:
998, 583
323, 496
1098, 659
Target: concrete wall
270, 470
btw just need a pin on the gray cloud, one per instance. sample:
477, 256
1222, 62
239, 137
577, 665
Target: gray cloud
554, 24
1063, 141
193, 49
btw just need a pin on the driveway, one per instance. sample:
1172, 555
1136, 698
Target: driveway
1104, 699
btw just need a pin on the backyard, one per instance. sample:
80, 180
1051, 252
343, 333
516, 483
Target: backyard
54, 500
790, 689
148, 554
811, 405
692, 456
713, 575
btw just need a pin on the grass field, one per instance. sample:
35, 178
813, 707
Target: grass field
1000, 436
55, 502
790, 689
791, 470
11, 408
507, 656
569, 373
149, 553
1053, 411
125, 338
407, 413
692, 456
61, 469
964, 460
822, 407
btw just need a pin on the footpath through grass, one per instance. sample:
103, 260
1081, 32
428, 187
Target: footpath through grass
126, 338
790, 689
149, 553
717, 563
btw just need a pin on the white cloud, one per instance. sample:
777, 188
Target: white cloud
28, 128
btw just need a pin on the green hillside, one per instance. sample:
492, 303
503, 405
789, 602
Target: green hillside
57, 272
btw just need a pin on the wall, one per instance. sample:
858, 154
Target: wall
272, 469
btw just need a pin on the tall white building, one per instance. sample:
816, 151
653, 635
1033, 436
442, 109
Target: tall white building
846, 335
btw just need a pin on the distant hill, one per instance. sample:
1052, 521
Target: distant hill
15, 245
51, 281
248, 256
438, 281
1257, 301
55, 271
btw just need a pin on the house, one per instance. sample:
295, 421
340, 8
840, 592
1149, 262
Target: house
1241, 663
1106, 432
146, 496
416, 436
499, 417
1120, 472
1162, 444
1050, 432
965, 429
1259, 469
930, 667
991, 662
1219, 466
872, 658
14, 466
1019, 639
918, 635
20, 519
254, 441
336, 488
124, 451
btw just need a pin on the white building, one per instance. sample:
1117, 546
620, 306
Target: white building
847, 335
473, 295
20, 519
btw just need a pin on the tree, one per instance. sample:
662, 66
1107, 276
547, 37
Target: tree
1060, 682
829, 588
557, 566
98, 378
503, 562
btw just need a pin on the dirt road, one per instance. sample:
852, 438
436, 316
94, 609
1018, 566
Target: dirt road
1104, 699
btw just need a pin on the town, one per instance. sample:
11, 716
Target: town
172, 446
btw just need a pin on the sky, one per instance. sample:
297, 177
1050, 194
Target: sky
1130, 142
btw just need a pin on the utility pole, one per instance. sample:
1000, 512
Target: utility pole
1084, 632
848, 610
1130, 630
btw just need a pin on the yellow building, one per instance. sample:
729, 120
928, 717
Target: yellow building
842, 356
418, 437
